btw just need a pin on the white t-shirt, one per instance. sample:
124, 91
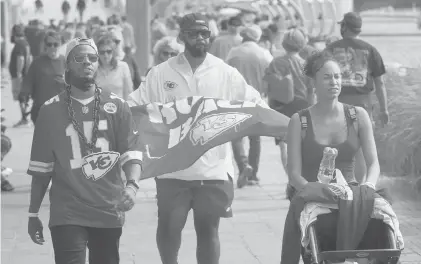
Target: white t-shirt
213, 78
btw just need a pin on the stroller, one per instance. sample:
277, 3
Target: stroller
381, 242
378, 245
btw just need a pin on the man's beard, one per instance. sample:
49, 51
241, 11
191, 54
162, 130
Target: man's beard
81, 83
195, 51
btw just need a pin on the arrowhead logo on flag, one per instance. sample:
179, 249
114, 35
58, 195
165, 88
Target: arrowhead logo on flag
211, 126
178, 133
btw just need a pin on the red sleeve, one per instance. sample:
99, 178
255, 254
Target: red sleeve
42, 158
128, 137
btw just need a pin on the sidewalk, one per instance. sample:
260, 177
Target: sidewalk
252, 236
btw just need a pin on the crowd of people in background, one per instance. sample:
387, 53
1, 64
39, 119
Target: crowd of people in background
268, 52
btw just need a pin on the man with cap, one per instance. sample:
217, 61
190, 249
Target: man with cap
82, 136
20, 59
251, 61
362, 70
224, 43
45, 75
206, 186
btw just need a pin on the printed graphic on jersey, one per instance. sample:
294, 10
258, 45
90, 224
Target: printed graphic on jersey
354, 66
98, 164
110, 108
168, 85
211, 126
52, 100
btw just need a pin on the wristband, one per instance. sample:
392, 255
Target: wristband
131, 187
32, 214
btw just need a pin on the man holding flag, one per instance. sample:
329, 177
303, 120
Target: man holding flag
206, 186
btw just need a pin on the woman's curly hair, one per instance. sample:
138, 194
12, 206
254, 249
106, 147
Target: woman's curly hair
316, 61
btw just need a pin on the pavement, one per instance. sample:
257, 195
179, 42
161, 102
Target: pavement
252, 236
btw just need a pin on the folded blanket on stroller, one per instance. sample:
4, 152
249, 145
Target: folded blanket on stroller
315, 198
382, 210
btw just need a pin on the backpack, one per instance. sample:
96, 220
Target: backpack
350, 111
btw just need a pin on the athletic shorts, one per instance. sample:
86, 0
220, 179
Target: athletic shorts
212, 197
16, 88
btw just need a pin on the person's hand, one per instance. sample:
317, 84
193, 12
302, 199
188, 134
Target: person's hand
35, 230
384, 117
127, 201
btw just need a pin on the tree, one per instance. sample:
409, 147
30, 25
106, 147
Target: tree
81, 6
39, 5
65, 8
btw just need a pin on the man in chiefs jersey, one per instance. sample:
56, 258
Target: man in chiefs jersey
82, 138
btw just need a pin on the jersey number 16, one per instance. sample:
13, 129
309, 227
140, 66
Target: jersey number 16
101, 143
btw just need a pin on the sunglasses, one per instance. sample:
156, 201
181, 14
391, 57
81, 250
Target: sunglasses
169, 53
81, 58
196, 33
102, 52
50, 45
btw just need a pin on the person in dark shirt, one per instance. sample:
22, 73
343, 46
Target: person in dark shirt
20, 60
362, 71
45, 75
134, 68
34, 34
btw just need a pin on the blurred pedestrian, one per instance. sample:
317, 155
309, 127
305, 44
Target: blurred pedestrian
251, 61
113, 75
20, 59
362, 70
222, 44
289, 90
45, 77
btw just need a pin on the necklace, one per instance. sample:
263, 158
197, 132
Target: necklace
90, 145
85, 109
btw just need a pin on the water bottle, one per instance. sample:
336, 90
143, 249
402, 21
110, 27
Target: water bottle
327, 165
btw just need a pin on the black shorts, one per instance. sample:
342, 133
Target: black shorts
212, 197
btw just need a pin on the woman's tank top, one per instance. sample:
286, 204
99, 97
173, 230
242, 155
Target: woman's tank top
312, 151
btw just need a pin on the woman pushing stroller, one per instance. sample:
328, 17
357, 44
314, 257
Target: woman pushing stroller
328, 123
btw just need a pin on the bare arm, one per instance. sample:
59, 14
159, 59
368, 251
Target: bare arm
132, 170
20, 65
127, 81
368, 145
381, 93
294, 153
39, 187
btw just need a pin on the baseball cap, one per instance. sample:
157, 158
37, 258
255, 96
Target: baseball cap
253, 32
194, 21
77, 42
352, 20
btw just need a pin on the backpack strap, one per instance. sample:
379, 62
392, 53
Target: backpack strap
304, 122
351, 111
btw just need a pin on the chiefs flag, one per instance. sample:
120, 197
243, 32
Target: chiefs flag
178, 133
